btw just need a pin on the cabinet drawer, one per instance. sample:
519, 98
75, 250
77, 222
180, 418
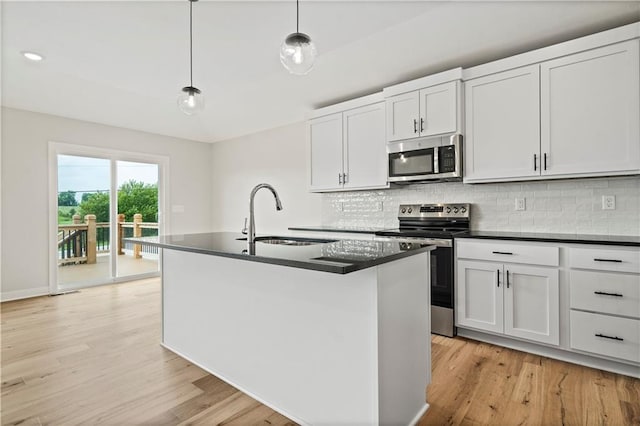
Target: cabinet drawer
622, 260
508, 252
623, 335
606, 292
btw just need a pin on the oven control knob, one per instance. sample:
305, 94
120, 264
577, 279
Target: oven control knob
409, 210
455, 210
463, 209
448, 209
403, 210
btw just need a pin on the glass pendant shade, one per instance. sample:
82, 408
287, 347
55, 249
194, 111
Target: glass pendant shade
298, 53
190, 100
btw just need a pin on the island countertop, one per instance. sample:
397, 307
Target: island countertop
336, 256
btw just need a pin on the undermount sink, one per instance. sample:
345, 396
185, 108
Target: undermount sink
290, 241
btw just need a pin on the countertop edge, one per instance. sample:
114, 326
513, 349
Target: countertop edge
542, 238
326, 266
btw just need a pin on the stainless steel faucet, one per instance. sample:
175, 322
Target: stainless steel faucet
251, 237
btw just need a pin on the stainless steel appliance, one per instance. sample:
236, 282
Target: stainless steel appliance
435, 224
435, 159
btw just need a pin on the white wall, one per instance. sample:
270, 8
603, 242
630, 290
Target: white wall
277, 156
25, 137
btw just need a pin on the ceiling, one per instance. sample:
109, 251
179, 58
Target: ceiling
123, 63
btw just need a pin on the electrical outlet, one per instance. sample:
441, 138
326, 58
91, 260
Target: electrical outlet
608, 202
520, 204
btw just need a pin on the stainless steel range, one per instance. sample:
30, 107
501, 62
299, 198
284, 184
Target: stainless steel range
435, 224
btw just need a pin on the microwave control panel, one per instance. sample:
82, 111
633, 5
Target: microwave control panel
447, 159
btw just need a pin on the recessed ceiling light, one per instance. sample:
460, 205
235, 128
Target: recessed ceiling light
33, 56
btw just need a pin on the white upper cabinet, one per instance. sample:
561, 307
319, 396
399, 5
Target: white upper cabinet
428, 106
348, 149
326, 152
574, 116
365, 155
403, 112
590, 111
439, 109
502, 125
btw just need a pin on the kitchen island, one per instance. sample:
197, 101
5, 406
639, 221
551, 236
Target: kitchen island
335, 332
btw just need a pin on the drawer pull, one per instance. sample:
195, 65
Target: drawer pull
507, 278
604, 293
501, 252
608, 260
498, 279
609, 337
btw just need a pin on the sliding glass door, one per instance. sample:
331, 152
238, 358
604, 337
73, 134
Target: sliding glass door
99, 198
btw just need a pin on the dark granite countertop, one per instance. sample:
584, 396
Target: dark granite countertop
346, 229
340, 256
617, 240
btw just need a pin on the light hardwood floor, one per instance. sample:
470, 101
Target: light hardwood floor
93, 358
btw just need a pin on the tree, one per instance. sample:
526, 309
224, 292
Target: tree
133, 197
67, 198
138, 197
98, 204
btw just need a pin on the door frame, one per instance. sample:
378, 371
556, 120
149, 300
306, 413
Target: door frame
164, 226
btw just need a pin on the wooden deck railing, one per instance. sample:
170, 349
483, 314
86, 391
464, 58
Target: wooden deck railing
80, 242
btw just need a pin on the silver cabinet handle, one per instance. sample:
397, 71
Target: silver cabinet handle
345, 178
422, 125
339, 177
535, 162
608, 260
415, 126
545, 161
507, 278
498, 277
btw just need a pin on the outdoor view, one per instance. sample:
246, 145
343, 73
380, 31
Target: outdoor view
84, 219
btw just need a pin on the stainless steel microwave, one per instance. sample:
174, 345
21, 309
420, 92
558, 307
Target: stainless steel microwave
426, 160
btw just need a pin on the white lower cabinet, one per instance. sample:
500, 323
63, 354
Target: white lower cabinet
605, 301
580, 301
516, 300
606, 335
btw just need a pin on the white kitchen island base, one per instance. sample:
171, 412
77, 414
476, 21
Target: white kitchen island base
318, 347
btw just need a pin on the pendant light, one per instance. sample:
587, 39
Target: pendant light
298, 52
191, 100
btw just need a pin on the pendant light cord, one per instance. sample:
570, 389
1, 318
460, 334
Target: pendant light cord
297, 17
191, 41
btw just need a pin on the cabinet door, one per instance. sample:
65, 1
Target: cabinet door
479, 300
326, 152
402, 116
502, 125
590, 109
439, 109
365, 151
531, 305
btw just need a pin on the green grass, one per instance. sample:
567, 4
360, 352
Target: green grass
65, 215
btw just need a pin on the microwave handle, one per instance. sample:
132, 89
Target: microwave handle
436, 161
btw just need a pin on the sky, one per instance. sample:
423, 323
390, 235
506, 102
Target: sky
92, 174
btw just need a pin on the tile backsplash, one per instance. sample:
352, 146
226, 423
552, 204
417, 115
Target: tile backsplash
566, 206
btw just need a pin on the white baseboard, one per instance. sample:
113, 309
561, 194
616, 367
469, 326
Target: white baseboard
418, 416
6, 296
